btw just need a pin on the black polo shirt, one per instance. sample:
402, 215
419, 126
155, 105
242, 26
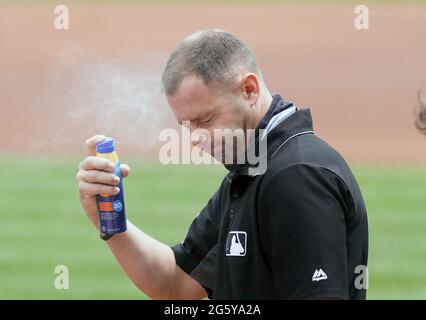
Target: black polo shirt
298, 231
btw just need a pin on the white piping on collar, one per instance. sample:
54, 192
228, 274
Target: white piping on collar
289, 138
277, 119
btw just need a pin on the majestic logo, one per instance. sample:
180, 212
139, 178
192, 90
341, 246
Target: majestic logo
319, 275
236, 244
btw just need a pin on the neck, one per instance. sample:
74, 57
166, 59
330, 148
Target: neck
261, 108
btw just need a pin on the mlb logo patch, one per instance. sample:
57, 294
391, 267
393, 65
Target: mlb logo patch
236, 244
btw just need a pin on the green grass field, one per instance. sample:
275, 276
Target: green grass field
43, 226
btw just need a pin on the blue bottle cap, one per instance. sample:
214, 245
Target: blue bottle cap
106, 146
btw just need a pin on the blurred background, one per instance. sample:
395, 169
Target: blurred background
59, 87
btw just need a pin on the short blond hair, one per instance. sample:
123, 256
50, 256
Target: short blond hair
211, 54
421, 115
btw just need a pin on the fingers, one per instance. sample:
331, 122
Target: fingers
95, 176
90, 189
92, 142
125, 170
97, 163
91, 162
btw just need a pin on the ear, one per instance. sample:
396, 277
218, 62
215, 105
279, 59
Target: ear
250, 87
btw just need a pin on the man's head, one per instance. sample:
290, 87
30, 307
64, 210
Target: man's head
421, 116
212, 80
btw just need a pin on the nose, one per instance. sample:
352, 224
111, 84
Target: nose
195, 141
202, 139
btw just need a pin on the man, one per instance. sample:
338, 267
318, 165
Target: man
297, 231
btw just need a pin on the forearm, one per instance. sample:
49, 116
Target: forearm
148, 263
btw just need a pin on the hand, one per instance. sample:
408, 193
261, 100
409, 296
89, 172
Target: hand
96, 176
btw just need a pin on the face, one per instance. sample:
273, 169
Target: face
207, 111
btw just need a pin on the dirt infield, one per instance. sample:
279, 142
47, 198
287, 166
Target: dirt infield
360, 85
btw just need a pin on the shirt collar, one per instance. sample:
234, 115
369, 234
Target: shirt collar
278, 105
295, 123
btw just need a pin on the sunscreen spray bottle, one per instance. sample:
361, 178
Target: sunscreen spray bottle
112, 213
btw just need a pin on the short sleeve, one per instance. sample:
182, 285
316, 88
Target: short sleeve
196, 255
303, 233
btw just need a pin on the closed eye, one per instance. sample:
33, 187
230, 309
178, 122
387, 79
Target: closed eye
208, 119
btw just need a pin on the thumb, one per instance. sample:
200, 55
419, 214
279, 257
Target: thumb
92, 142
125, 170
